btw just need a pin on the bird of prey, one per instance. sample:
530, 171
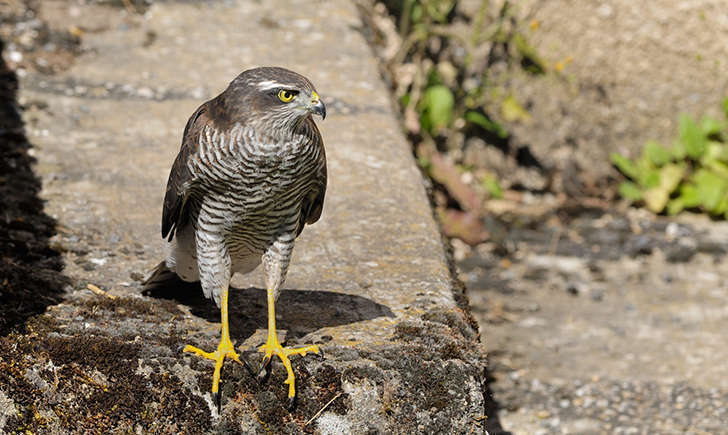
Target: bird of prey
250, 174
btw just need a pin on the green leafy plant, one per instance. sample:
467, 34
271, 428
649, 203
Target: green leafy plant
439, 55
449, 90
436, 109
692, 174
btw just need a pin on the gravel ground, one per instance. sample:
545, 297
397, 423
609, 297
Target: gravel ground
607, 320
604, 322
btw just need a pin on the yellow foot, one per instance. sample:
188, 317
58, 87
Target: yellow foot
224, 350
272, 347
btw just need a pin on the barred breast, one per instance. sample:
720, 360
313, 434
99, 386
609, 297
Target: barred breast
251, 200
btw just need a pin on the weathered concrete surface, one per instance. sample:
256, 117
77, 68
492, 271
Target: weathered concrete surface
370, 281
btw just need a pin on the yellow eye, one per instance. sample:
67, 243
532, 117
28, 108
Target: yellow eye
286, 96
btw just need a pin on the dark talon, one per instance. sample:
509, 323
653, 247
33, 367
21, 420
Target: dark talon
263, 375
264, 364
264, 371
292, 403
247, 366
216, 400
321, 354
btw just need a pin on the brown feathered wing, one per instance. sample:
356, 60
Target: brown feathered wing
179, 184
313, 204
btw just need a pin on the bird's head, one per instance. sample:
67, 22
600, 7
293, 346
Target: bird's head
277, 96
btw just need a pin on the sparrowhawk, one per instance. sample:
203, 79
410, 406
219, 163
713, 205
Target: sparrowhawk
250, 174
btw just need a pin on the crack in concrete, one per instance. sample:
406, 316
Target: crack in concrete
71, 87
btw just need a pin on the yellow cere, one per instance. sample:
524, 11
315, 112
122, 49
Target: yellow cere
285, 96
314, 97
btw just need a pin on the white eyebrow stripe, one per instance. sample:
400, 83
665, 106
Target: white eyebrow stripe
269, 84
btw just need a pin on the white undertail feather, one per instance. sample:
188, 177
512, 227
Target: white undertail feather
182, 257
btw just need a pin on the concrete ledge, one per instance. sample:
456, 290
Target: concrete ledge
370, 281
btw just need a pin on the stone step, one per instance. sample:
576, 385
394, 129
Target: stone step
370, 282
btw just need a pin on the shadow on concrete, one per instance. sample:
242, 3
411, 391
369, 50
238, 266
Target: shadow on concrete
299, 312
30, 278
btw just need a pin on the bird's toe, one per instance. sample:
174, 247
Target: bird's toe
291, 403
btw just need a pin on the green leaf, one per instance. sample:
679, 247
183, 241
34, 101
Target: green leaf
717, 166
624, 164
439, 10
711, 188
716, 152
491, 185
689, 195
713, 151
405, 99
656, 198
416, 13
711, 127
630, 191
656, 153
692, 137
649, 178
433, 78
722, 206
675, 206
671, 176
723, 154
692, 173
512, 111
678, 150
483, 121
438, 107
530, 59
424, 163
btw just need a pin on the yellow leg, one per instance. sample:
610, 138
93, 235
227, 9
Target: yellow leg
224, 349
273, 347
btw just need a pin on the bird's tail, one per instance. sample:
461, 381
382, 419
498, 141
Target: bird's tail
160, 278
166, 284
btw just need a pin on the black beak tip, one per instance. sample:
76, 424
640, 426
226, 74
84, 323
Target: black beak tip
320, 109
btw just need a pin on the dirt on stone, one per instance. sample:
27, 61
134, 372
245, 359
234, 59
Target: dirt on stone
77, 383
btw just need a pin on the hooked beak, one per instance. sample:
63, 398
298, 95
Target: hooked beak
317, 106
